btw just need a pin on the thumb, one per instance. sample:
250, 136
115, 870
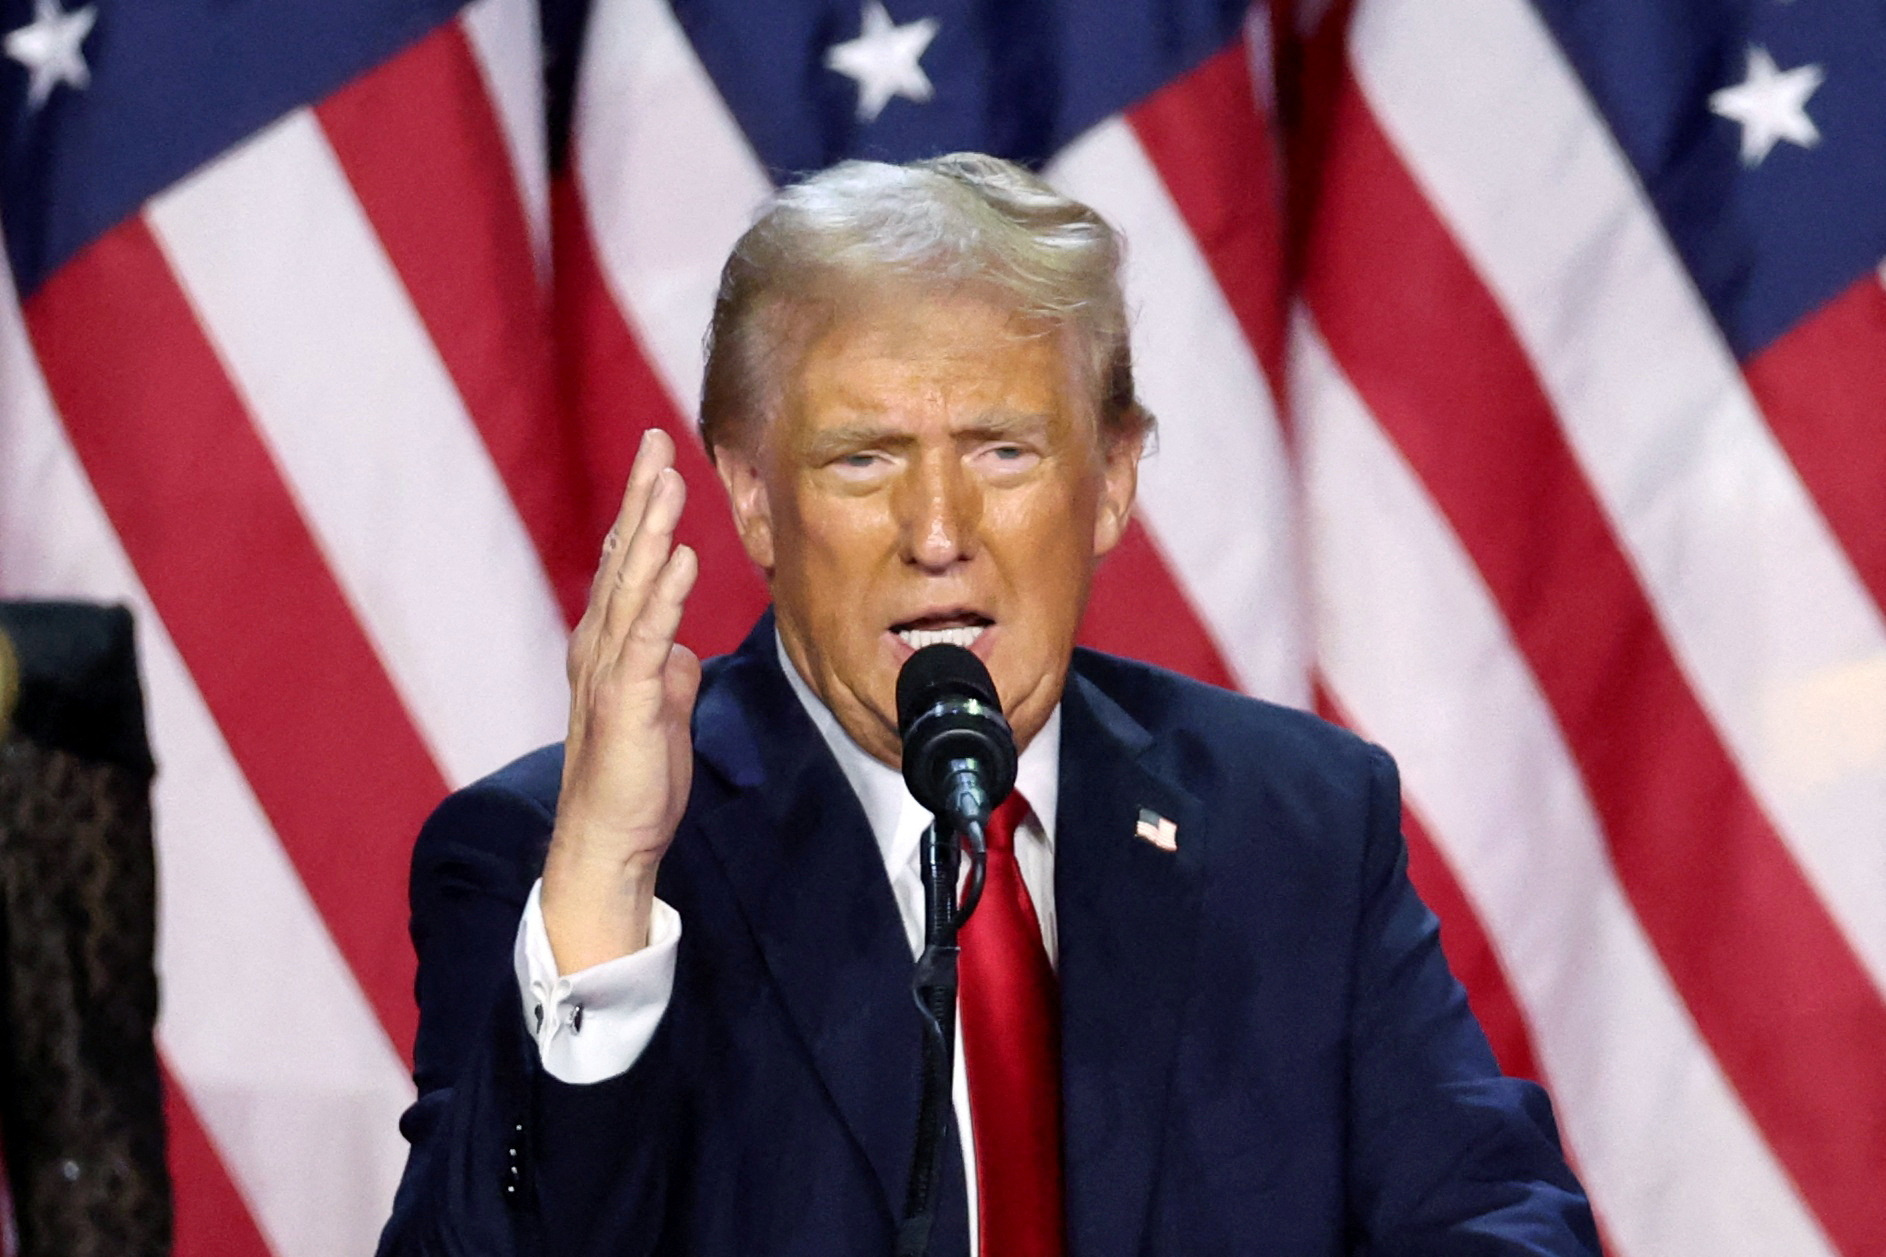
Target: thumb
680, 678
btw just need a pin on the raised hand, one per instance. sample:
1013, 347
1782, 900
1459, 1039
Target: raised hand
629, 758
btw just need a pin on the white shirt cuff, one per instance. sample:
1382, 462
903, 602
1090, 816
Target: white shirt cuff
595, 1023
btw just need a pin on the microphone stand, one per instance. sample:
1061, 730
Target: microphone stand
934, 986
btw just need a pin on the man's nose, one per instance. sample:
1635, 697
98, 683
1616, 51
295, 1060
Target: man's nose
941, 509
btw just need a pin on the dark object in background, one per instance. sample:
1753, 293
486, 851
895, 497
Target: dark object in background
81, 1102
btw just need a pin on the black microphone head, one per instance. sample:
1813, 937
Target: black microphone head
948, 710
938, 672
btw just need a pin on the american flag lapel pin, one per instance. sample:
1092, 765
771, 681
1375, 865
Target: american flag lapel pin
1157, 830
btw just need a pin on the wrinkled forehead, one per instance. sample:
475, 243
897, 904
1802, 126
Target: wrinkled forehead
889, 316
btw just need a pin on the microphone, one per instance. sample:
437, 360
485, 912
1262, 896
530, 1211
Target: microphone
959, 753
959, 762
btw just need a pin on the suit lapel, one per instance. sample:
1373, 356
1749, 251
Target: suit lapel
1127, 915
809, 878
810, 881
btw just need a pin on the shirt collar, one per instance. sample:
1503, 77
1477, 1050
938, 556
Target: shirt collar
897, 820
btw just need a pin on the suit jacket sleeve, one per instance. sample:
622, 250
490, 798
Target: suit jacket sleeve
1446, 1156
505, 1159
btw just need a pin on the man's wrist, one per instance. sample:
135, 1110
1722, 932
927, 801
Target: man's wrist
595, 908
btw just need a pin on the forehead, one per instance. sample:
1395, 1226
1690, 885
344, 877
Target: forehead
911, 353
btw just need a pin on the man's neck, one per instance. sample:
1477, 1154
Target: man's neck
880, 788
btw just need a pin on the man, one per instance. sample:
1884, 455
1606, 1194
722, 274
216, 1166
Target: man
1199, 969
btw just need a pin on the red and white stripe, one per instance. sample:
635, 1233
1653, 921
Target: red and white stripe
300, 414
1757, 599
373, 439
1405, 617
1600, 564
1216, 497
501, 35
264, 1025
662, 184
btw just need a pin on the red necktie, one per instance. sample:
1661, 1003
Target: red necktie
1012, 1051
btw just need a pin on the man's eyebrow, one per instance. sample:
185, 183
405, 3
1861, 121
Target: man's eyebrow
1002, 423
859, 435
864, 434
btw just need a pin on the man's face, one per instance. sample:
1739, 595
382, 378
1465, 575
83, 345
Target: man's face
933, 470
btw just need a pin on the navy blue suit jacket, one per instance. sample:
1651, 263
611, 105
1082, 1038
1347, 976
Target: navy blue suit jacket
1263, 1050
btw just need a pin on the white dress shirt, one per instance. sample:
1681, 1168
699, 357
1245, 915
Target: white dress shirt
595, 1023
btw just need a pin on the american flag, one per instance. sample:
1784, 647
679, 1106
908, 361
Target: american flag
1521, 367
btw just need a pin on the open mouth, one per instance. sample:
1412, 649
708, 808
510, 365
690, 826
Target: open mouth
960, 629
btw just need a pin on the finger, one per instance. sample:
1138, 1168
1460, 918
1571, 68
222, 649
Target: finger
653, 633
680, 680
646, 556
655, 452
682, 677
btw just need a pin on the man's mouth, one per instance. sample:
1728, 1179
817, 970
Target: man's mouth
957, 630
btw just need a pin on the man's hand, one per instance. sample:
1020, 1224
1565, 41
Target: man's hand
629, 758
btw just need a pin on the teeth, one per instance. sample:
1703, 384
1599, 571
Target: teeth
917, 639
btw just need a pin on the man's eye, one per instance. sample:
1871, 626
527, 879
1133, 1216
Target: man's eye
858, 460
1009, 455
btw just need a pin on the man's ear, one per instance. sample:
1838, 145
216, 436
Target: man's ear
752, 509
1119, 486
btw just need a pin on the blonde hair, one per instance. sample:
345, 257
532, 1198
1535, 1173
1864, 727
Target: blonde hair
963, 220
